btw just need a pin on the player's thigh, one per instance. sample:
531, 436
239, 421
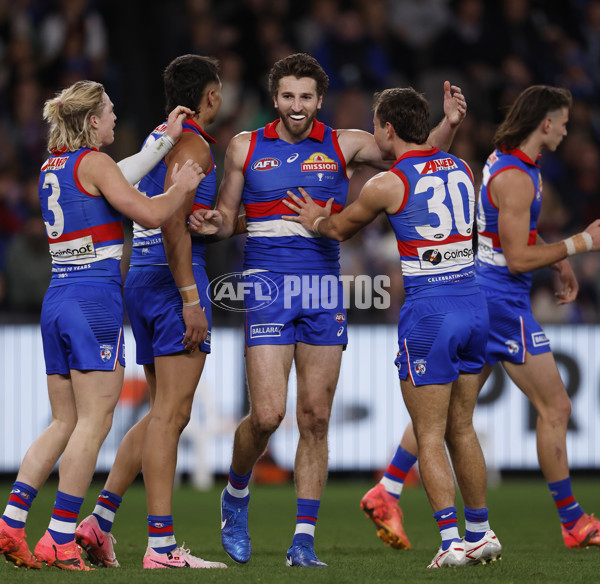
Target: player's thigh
97, 392
539, 379
317, 370
428, 407
62, 399
177, 377
268, 370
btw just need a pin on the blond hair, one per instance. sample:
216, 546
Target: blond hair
68, 114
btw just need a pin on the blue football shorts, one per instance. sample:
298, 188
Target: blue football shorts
440, 337
306, 308
155, 311
513, 328
82, 328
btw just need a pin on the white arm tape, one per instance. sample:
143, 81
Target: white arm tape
135, 167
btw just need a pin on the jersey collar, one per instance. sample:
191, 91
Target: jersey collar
208, 138
412, 153
317, 133
521, 155
63, 150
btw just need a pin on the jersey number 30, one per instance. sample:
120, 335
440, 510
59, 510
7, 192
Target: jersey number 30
438, 204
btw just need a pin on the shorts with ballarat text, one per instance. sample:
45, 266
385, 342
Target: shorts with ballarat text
314, 315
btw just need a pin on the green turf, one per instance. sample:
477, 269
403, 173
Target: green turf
521, 513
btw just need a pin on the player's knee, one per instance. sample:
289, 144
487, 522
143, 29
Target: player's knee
314, 421
266, 420
560, 410
64, 427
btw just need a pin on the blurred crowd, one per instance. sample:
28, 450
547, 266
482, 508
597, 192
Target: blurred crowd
492, 50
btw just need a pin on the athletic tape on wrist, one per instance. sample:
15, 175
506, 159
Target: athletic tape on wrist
579, 243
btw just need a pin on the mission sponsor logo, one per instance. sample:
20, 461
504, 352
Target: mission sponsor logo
319, 162
435, 165
266, 164
55, 163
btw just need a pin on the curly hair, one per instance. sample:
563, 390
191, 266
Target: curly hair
298, 65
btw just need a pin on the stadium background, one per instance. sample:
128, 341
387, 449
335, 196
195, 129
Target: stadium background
492, 50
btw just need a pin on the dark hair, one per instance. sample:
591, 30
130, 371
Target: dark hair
298, 65
406, 110
185, 80
529, 109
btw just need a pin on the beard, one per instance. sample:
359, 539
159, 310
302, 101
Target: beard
297, 129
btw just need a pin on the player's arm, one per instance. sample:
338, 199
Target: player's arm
359, 148
99, 175
178, 245
512, 191
383, 192
224, 221
455, 110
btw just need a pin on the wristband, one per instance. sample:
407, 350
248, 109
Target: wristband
315, 225
192, 303
578, 243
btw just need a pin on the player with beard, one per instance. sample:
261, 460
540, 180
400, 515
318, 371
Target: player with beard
302, 326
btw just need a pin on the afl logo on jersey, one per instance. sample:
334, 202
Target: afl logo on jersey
266, 164
340, 317
433, 256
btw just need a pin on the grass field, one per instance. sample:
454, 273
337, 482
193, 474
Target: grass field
521, 513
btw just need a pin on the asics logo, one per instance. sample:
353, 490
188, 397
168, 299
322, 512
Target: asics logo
292, 157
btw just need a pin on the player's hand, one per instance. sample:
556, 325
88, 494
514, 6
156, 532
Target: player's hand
188, 176
594, 230
306, 208
175, 121
205, 221
569, 288
455, 104
196, 327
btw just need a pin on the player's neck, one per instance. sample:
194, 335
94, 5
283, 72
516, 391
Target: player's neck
531, 147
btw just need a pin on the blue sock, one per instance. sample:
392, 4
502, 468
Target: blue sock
237, 492
306, 521
105, 510
64, 517
568, 508
19, 502
161, 535
393, 479
446, 520
476, 524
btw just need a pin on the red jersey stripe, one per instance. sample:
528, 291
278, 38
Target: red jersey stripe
268, 208
99, 233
